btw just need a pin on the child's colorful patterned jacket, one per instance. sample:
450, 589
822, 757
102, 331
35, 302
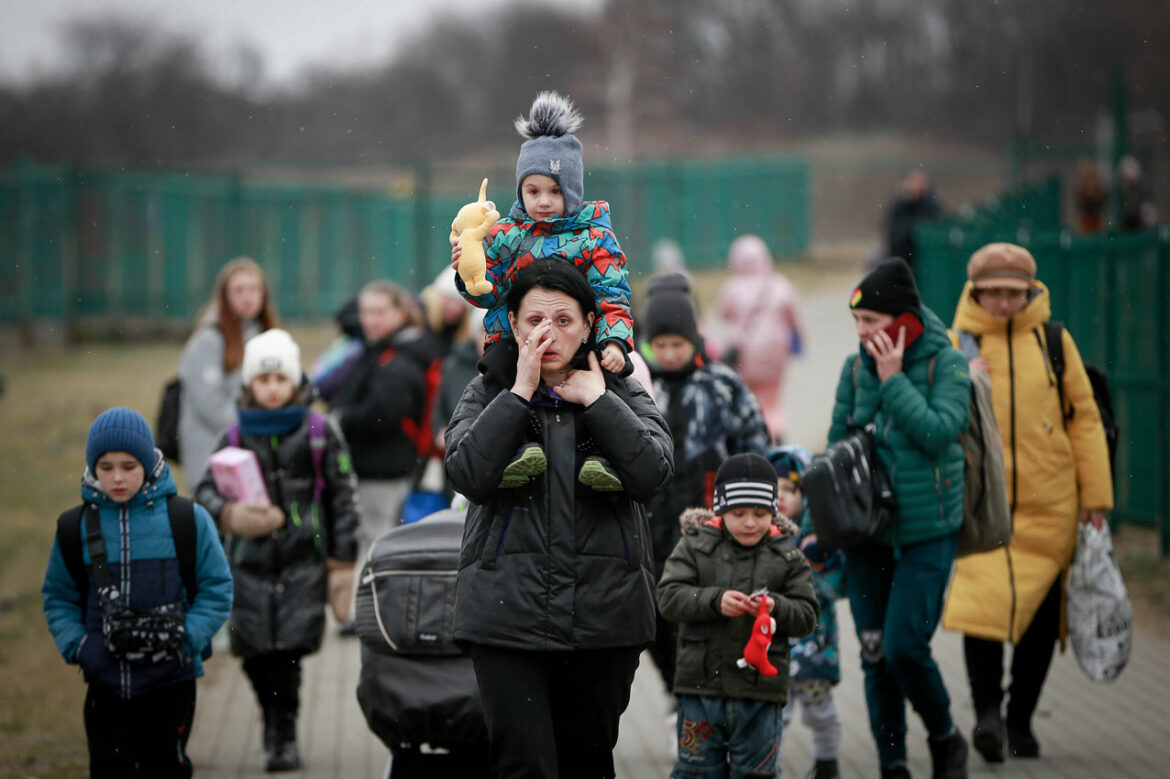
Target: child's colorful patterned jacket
585, 239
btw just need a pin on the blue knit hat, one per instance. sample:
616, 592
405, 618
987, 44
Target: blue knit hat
551, 149
120, 430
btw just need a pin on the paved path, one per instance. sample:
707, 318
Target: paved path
1085, 730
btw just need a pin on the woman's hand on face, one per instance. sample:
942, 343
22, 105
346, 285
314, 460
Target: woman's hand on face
583, 387
886, 353
456, 253
735, 604
532, 350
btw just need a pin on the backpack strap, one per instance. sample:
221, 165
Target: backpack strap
968, 344
181, 514
69, 542
1054, 338
97, 548
233, 434
317, 426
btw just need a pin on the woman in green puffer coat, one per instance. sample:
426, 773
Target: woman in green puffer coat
914, 388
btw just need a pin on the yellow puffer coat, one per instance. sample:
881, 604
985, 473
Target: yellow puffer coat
1054, 468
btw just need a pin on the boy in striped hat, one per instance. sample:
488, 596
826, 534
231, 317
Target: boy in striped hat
728, 572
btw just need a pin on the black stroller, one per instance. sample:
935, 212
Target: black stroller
417, 690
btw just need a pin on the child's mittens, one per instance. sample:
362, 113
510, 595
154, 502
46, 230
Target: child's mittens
755, 654
340, 587
250, 519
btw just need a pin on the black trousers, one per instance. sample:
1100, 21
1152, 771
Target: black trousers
553, 714
276, 678
142, 737
1031, 660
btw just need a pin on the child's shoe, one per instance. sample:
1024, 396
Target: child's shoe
598, 474
528, 462
283, 755
824, 769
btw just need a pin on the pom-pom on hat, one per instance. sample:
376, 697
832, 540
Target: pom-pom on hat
745, 480
669, 309
888, 289
551, 149
1002, 265
121, 430
273, 351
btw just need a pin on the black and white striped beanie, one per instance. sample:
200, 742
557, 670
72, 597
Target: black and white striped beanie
745, 480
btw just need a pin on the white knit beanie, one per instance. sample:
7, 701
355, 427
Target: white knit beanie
273, 351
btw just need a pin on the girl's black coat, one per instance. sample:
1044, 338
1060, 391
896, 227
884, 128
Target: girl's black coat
281, 582
555, 565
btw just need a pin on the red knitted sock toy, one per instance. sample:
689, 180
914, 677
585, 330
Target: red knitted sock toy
755, 653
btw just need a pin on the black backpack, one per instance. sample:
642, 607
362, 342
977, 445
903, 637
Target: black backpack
1052, 334
180, 512
850, 497
166, 426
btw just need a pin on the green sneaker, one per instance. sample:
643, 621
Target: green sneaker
597, 474
528, 462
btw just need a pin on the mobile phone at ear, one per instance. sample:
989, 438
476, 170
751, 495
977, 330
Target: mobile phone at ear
907, 320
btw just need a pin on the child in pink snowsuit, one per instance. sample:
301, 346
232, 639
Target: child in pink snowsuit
758, 306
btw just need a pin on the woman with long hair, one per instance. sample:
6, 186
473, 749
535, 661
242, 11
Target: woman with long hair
240, 307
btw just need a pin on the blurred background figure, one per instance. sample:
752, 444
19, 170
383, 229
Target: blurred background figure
916, 201
666, 256
209, 367
446, 315
334, 364
1137, 208
763, 328
1090, 197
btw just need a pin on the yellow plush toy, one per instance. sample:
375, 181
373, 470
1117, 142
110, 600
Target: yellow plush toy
470, 227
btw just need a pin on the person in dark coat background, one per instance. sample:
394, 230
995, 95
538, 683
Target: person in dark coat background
555, 595
916, 202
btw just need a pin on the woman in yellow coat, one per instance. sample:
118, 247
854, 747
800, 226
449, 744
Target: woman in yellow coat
1057, 472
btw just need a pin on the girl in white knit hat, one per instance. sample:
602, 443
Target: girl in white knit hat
296, 550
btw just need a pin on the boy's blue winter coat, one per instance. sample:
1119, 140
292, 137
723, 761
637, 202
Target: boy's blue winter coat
142, 561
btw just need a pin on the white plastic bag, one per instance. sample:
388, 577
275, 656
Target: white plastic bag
1100, 618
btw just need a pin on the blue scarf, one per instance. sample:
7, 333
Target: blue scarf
278, 421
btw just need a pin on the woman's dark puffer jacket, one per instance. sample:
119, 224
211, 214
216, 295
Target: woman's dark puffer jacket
281, 579
555, 565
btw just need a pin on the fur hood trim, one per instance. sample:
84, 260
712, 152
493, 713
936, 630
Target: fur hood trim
552, 115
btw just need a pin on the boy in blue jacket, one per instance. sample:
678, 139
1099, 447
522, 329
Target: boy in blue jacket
118, 604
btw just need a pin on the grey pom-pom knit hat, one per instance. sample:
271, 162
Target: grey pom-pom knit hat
551, 149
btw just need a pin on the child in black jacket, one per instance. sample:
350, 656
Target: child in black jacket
291, 555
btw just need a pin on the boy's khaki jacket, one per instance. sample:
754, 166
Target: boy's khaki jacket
706, 563
1053, 469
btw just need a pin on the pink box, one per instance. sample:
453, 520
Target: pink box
237, 475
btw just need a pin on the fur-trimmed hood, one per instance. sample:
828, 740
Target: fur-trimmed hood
693, 518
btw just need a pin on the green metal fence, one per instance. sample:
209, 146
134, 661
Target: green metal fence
125, 245
1111, 291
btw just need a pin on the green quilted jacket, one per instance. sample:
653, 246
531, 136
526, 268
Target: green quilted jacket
918, 415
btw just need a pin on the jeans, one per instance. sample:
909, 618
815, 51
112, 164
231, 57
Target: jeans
896, 597
726, 737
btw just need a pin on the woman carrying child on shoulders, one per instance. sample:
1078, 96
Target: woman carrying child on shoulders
555, 591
